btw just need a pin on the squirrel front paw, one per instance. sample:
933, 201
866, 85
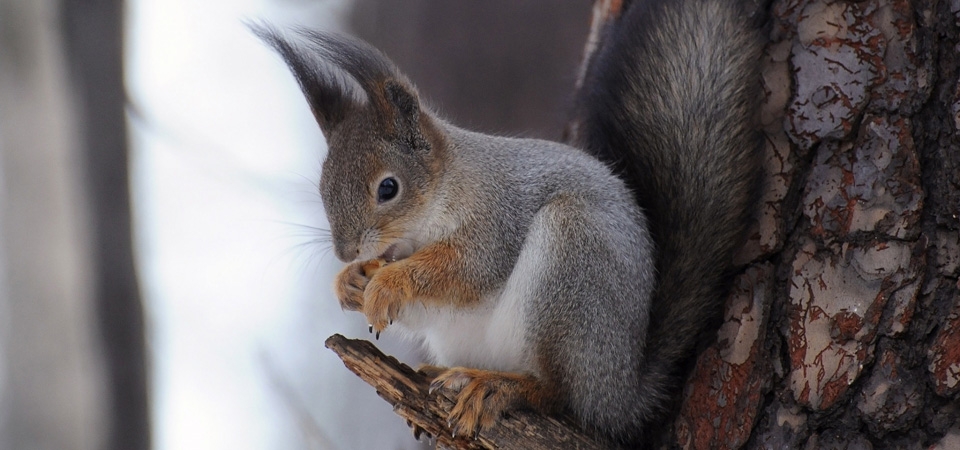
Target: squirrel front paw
386, 293
352, 281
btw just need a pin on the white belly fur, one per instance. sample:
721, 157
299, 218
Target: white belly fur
490, 335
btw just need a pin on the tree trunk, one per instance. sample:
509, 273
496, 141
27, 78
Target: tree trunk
844, 330
94, 48
500, 66
51, 380
72, 357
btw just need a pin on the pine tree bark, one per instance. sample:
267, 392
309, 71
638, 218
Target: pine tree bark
844, 330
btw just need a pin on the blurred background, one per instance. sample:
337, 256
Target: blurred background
163, 278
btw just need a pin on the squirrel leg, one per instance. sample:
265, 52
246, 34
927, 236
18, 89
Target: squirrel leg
433, 274
482, 396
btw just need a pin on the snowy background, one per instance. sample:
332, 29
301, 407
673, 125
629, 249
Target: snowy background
225, 162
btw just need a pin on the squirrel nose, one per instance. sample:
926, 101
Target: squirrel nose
346, 252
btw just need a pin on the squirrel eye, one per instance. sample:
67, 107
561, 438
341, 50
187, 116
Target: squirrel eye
387, 190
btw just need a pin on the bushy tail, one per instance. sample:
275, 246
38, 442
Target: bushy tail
670, 100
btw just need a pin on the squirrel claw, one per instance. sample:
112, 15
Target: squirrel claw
385, 296
349, 285
417, 430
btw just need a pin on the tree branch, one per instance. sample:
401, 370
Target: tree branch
407, 390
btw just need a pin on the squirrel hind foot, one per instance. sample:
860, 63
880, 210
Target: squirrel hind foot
483, 396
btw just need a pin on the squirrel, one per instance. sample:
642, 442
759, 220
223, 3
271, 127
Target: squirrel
568, 279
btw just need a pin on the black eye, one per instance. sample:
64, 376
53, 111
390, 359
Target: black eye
387, 190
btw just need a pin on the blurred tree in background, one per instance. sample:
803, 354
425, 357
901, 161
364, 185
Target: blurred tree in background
72, 367
500, 66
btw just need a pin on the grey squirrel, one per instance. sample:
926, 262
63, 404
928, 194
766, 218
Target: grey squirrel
539, 275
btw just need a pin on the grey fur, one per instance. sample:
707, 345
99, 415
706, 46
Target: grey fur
667, 102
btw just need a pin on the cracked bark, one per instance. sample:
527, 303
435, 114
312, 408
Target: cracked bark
852, 268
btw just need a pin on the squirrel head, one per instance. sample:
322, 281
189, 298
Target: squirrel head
385, 150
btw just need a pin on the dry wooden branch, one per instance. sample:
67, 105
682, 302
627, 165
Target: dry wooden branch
406, 389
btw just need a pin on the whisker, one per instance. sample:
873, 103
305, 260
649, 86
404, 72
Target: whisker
303, 230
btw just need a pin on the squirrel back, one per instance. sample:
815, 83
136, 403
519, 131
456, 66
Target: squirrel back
669, 100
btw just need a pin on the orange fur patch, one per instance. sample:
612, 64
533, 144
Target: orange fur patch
484, 395
431, 275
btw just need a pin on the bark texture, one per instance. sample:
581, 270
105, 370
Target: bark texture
843, 330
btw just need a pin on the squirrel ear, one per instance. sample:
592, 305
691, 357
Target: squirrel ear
339, 74
403, 99
398, 109
404, 104
329, 95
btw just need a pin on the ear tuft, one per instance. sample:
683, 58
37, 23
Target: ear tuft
329, 94
339, 74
